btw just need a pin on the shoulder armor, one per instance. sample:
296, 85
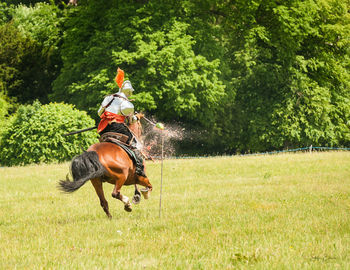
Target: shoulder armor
127, 108
107, 100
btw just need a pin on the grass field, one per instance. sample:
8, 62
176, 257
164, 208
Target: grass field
287, 211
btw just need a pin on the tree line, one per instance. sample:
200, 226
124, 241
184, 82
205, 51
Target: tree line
239, 75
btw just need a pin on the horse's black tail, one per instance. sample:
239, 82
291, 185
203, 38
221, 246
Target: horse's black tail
83, 168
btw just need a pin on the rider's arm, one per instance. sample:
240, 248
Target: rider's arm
126, 108
104, 104
100, 111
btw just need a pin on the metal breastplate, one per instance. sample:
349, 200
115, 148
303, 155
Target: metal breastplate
121, 106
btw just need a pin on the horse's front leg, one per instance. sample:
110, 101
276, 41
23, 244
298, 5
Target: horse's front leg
116, 194
137, 196
144, 181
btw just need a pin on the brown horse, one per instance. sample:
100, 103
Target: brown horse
107, 162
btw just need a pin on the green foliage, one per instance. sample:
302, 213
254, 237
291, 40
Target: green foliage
26, 2
156, 52
248, 75
29, 52
40, 23
293, 75
87, 74
36, 134
5, 106
173, 81
5, 11
16, 54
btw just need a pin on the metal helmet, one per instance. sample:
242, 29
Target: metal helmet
126, 88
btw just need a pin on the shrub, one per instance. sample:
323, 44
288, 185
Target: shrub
35, 135
5, 105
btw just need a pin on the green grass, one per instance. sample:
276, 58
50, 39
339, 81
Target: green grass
287, 211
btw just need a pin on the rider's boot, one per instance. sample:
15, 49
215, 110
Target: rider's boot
140, 168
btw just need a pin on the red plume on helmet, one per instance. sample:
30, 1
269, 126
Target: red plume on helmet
119, 79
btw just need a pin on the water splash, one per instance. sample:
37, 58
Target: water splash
152, 139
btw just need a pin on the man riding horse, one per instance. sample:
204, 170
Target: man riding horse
115, 111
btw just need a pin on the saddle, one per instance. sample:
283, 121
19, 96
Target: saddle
114, 136
120, 140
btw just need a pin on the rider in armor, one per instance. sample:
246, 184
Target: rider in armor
115, 110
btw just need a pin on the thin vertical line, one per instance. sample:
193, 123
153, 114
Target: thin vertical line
161, 177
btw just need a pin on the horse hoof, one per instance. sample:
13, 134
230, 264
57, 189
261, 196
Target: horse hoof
145, 192
136, 199
127, 208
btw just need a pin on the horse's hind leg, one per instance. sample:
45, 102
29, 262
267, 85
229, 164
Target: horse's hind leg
116, 194
99, 190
